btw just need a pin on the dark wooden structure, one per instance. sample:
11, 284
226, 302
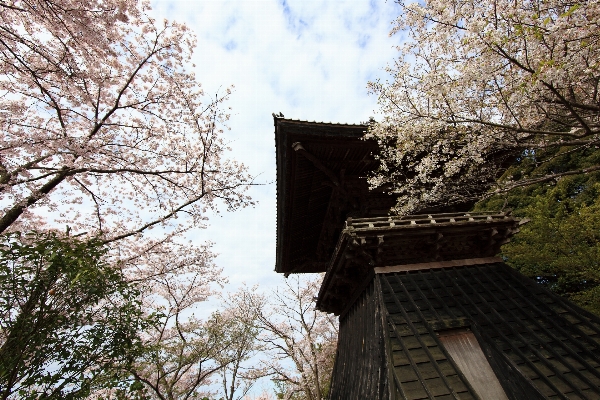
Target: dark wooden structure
320, 170
426, 309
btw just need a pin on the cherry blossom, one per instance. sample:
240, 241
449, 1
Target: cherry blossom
301, 340
105, 129
479, 84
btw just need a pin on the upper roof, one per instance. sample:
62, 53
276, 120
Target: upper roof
322, 170
321, 180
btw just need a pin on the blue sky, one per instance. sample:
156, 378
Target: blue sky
307, 59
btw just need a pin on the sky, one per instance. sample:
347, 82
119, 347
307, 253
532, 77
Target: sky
307, 59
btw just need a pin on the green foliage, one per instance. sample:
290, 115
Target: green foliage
560, 246
69, 321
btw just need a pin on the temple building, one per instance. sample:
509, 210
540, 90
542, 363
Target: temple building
426, 309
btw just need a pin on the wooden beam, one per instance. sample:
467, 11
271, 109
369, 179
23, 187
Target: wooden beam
437, 264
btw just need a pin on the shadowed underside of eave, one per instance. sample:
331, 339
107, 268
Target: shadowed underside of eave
321, 180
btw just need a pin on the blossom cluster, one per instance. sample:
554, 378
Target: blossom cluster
478, 83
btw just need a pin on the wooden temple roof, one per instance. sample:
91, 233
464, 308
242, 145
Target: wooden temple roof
321, 180
367, 244
427, 312
426, 309
322, 173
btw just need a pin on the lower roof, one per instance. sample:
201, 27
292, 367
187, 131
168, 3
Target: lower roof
539, 345
367, 245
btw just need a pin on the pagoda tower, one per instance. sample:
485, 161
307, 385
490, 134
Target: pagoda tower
426, 309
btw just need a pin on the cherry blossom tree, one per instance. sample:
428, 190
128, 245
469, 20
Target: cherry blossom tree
105, 128
186, 356
241, 368
481, 84
301, 341
181, 350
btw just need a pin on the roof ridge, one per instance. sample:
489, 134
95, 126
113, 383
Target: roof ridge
280, 117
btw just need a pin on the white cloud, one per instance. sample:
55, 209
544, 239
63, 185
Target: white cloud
308, 59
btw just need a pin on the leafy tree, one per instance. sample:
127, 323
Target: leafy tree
560, 246
479, 83
68, 320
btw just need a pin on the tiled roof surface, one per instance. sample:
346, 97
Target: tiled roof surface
389, 242
539, 345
